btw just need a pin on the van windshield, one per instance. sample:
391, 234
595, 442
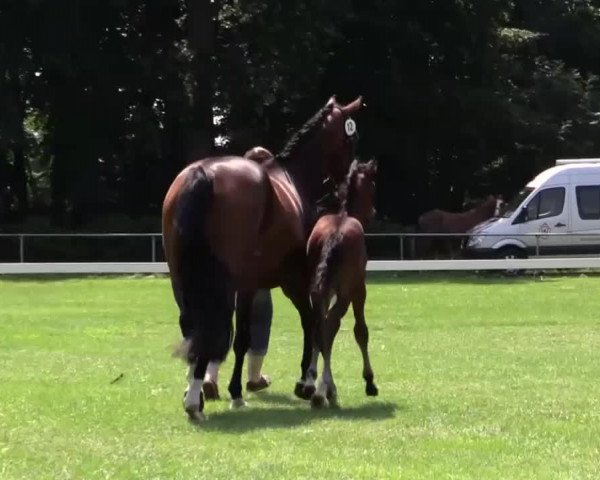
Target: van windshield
511, 206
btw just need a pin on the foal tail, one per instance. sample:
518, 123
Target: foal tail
327, 269
206, 295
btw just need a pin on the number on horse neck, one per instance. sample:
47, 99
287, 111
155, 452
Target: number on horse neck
319, 149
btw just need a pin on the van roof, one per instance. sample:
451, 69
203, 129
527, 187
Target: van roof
559, 172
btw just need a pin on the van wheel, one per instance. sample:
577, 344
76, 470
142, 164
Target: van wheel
511, 252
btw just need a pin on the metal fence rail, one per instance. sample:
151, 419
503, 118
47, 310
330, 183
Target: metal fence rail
155, 239
17, 268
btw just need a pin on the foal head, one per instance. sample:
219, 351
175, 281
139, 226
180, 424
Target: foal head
359, 199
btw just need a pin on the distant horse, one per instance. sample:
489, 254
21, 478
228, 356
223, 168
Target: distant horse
337, 259
440, 221
230, 224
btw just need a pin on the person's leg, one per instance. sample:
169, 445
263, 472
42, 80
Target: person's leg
260, 331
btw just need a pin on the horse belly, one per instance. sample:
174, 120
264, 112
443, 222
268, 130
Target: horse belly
282, 237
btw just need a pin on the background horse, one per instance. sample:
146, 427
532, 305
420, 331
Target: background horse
338, 259
230, 224
440, 221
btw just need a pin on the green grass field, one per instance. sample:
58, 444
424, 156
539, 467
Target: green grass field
479, 377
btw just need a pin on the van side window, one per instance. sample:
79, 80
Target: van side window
547, 203
588, 202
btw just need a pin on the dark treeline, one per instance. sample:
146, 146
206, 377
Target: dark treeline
102, 102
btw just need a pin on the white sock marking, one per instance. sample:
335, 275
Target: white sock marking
192, 398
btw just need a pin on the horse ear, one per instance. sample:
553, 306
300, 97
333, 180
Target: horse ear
352, 107
332, 101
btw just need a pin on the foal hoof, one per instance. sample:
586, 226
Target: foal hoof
372, 390
238, 403
300, 391
318, 401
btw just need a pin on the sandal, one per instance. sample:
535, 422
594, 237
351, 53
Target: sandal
211, 390
261, 384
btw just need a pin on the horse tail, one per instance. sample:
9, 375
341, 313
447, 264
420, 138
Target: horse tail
205, 283
327, 269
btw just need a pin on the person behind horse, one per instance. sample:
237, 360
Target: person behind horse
260, 325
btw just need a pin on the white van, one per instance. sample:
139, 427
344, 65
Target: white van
562, 199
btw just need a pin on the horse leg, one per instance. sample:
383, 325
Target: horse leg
361, 334
300, 298
241, 343
305, 385
193, 398
327, 330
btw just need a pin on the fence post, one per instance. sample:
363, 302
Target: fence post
153, 248
22, 248
401, 237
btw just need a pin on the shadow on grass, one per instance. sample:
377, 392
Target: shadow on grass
291, 413
467, 277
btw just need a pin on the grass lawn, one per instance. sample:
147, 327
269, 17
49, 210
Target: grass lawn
479, 377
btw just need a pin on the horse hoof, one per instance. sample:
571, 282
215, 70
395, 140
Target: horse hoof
309, 391
194, 414
299, 390
372, 390
318, 401
238, 403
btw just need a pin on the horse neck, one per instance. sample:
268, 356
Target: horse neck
307, 170
354, 210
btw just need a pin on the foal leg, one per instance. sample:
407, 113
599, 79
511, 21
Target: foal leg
361, 334
311, 375
328, 329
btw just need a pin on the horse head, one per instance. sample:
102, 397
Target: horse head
340, 136
323, 148
359, 194
499, 205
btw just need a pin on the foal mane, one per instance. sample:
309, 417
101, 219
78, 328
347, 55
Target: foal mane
303, 134
347, 189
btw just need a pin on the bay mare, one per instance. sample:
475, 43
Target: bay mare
230, 224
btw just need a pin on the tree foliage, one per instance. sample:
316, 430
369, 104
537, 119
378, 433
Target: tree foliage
103, 102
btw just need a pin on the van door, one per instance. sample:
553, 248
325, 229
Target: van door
586, 217
546, 213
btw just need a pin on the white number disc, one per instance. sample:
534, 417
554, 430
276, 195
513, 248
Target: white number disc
350, 127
